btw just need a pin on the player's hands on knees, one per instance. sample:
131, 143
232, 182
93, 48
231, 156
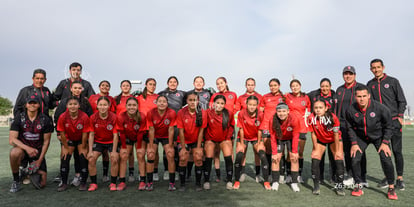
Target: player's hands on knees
32, 152
65, 152
386, 149
90, 155
276, 158
294, 156
183, 152
240, 147
354, 149
339, 155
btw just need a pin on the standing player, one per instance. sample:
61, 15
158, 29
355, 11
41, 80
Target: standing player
30, 137
191, 122
204, 95
220, 127
249, 120
103, 136
299, 105
104, 87
369, 122
388, 91
324, 126
74, 126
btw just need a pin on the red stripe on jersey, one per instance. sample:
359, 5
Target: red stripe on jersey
215, 130
145, 105
187, 121
250, 125
161, 123
104, 128
74, 128
231, 99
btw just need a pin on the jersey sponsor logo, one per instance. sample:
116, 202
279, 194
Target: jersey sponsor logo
372, 114
386, 85
166, 121
303, 103
231, 96
268, 100
177, 94
31, 136
39, 126
109, 127
136, 127
289, 129
79, 126
356, 114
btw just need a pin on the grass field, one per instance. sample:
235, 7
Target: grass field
250, 193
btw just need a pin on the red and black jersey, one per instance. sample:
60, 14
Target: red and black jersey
47, 100
74, 128
249, 124
346, 97
290, 130
93, 100
175, 98
129, 128
187, 121
145, 105
104, 128
31, 132
121, 106
331, 99
388, 91
241, 100
161, 123
231, 99
203, 97
63, 89
318, 125
298, 105
269, 102
215, 130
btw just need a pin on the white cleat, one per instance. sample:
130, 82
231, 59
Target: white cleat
275, 186
295, 187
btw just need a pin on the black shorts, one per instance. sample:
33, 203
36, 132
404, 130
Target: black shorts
130, 142
281, 144
74, 143
188, 147
175, 134
265, 134
99, 147
28, 159
325, 144
254, 142
163, 141
302, 136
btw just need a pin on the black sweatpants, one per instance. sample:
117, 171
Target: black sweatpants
396, 144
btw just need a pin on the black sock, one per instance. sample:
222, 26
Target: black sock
165, 161
113, 179
16, 177
288, 164
142, 179
64, 169
229, 168
295, 175
275, 176
269, 161
243, 170
105, 167
218, 174
149, 177
339, 171
316, 170
207, 169
156, 170
257, 170
189, 168
237, 166
172, 177
181, 172
93, 179
121, 180
282, 165
198, 172
76, 161
131, 171
265, 165
300, 165
84, 168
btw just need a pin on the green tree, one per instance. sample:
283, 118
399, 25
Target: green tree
6, 106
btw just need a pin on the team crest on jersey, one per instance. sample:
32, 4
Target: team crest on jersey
25, 126
109, 127
330, 101
339, 93
205, 95
373, 87
372, 114
154, 101
231, 97
66, 125
280, 100
386, 85
79, 126
96, 125
329, 129
211, 120
166, 121
356, 115
136, 127
303, 103
257, 123
177, 94
289, 129
39, 126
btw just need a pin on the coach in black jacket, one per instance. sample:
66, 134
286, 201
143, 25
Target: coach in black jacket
368, 121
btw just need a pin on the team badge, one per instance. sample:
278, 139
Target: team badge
231, 97
166, 121
66, 125
356, 115
177, 94
205, 95
268, 100
303, 103
373, 87
330, 101
125, 125
245, 121
289, 129
25, 126
211, 120
109, 127
280, 100
39, 126
372, 114
79, 126
386, 85
339, 93
186, 121
96, 125
257, 123
136, 127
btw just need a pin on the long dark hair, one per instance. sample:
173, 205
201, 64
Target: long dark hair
276, 123
144, 92
257, 101
225, 80
280, 92
328, 114
199, 114
225, 121
118, 98
168, 80
137, 115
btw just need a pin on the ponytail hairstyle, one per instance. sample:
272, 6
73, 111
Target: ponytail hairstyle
198, 111
280, 92
276, 120
257, 100
168, 80
144, 92
137, 115
225, 121
225, 80
118, 98
298, 82
328, 114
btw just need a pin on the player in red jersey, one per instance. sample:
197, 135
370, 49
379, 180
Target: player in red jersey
284, 133
131, 126
220, 127
104, 87
324, 126
249, 120
268, 105
103, 136
191, 122
74, 126
161, 122
299, 105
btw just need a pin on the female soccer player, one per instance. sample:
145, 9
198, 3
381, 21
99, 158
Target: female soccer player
220, 123
74, 126
284, 133
104, 87
191, 122
324, 126
249, 120
131, 126
204, 95
161, 122
299, 105
103, 136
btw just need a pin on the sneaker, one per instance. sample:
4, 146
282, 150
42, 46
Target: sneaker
93, 187
400, 185
206, 186
236, 185
57, 179
35, 179
198, 188
171, 187
267, 186
141, 186
182, 188
105, 179
62, 188
229, 185
166, 175
383, 183
316, 190
76, 181
112, 187
391, 194
275, 186
295, 187
149, 187
121, 186
340, 191
15, 186
243, 177
357, 191
26, 180
82, 187
282, 179
349, 181
365, 184
259, 179
288, 179
131, 179
155, 177
300, 179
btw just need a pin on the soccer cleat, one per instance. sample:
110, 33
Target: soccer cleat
171, 187
93, 187
155, 177
365, 184
57, 179
340, 191
112, 187
76, 181
259, 179
400, 185
62, 188
141, 186
207, 186
282, 179
295, 187
300, 179
229, 186
243, 177
267, 186
275, 186
35, 179
236, 185
316, 190
82, 187
383, 183
105, 179
121, 186
15, 186
166, 175
357, 191
391, 194
149, 187
288, 179
131, 179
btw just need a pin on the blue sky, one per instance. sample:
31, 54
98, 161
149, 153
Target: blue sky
118, 40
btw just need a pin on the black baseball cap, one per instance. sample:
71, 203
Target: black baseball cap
32, 99
349, 69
